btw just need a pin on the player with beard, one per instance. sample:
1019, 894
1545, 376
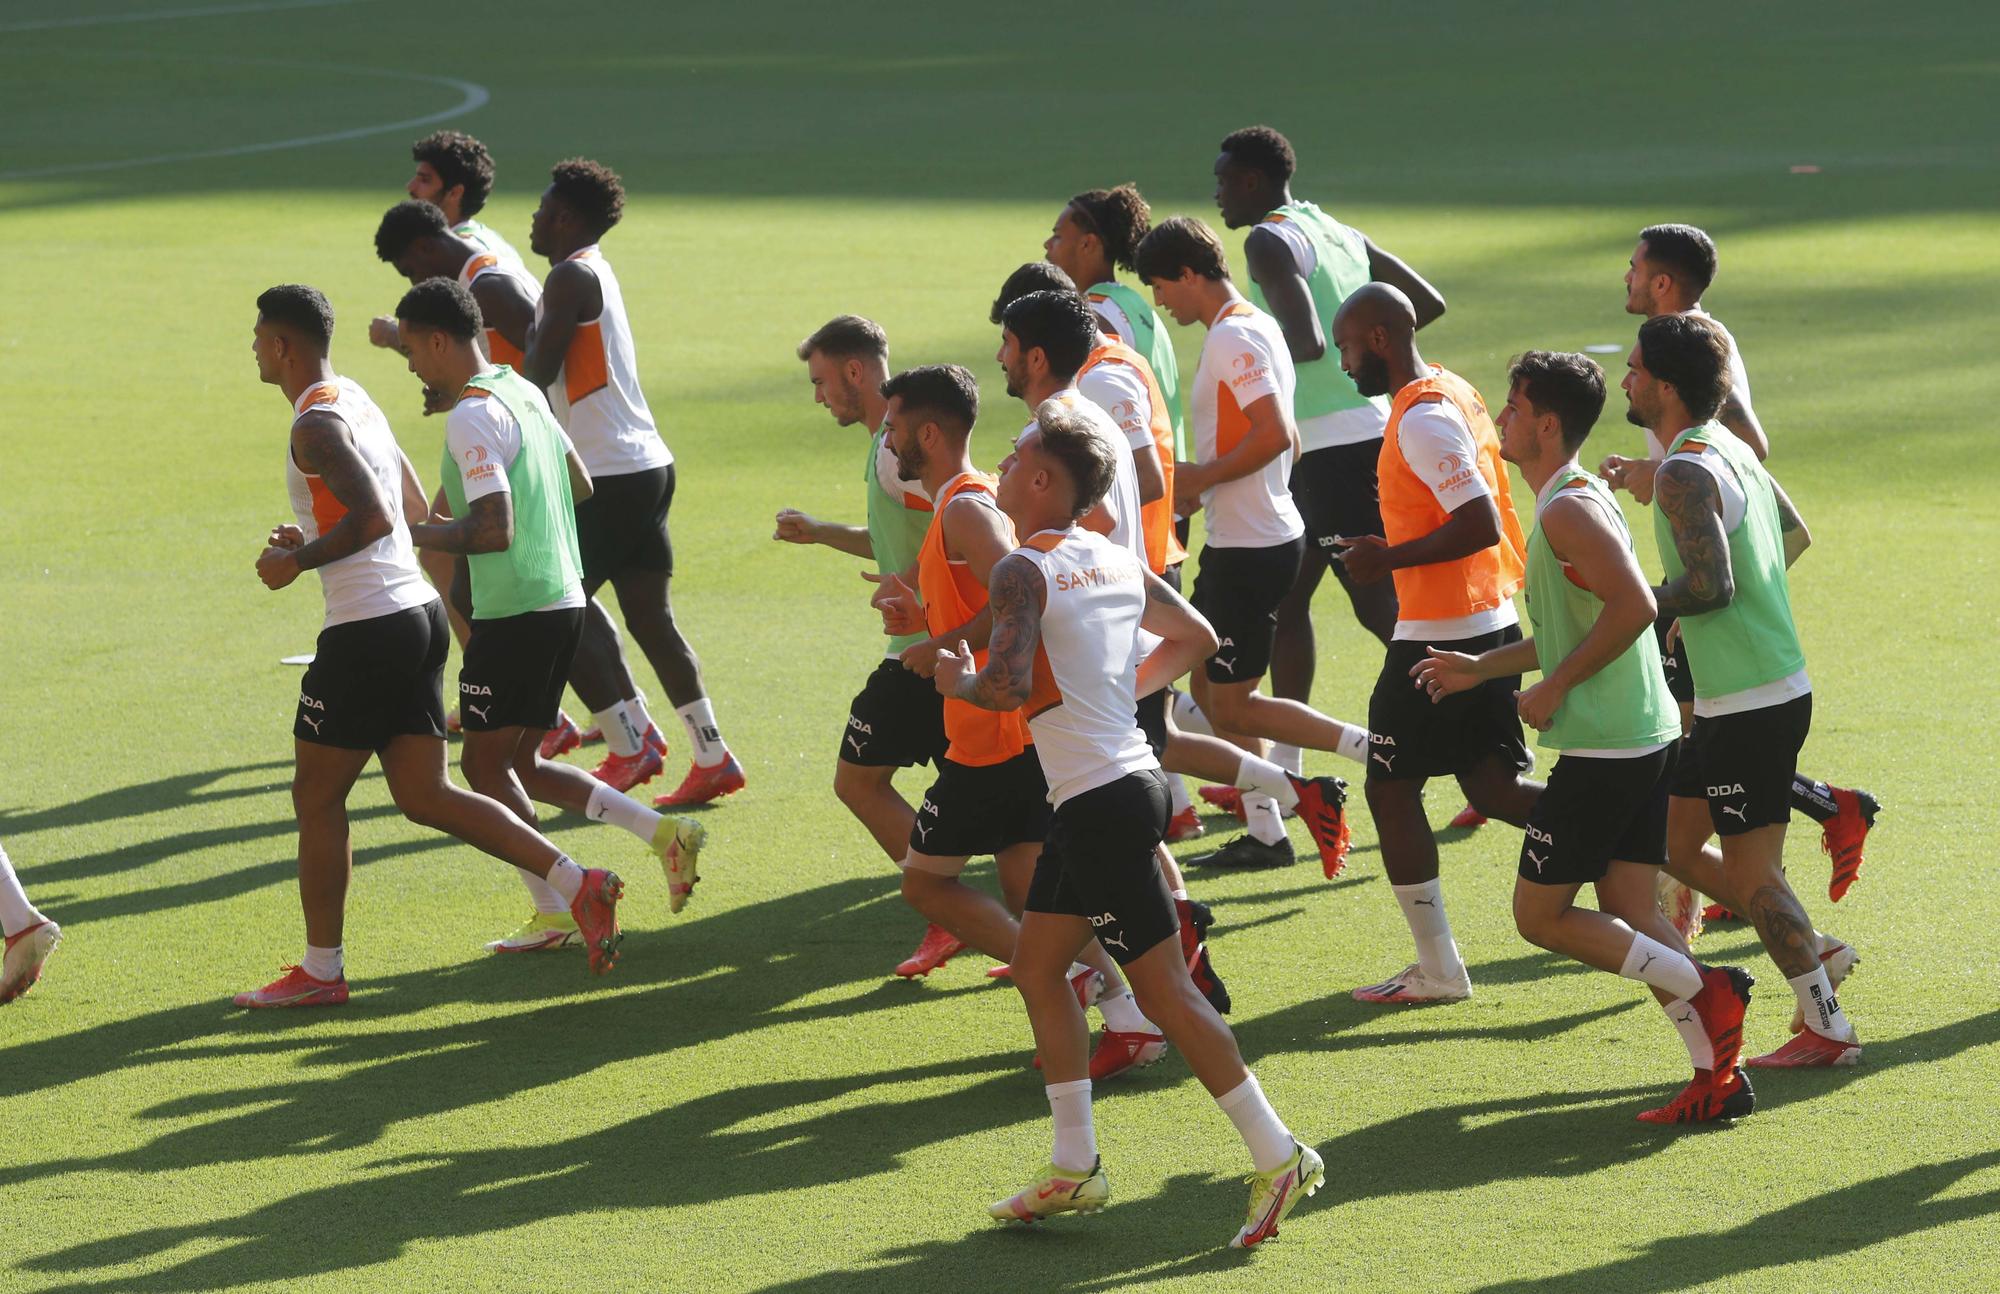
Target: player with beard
989, 796
1069, 607
1451, 542
1603, 703
1727, 535
897, 719
1667, 273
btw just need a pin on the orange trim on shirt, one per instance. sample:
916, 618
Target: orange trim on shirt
1156, 519
1043, 693
503, 351
319, 393
327, 510
586, 366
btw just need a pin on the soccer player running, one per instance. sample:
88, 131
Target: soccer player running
897, 719
1240, 414
1068, 609
1666, 274
989, 796
508, 472
373, 685
1303, 263
1603, 703
1727, 534
31, 937
455, 174
581, 352
414, 238
1452, 543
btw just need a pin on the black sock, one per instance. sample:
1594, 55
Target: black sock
1814, 799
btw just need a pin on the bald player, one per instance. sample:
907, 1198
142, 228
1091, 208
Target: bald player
1667, 273
1455, 549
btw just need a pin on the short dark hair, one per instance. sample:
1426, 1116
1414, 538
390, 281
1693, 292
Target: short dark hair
407, 223
304, 310
1262, 149
947, 394
1683, 251
1035, 276
1086, 456
458, 158
1691, 352
1059, 323
1563, 383
847, 337
444, 304
1180, 243
590, 189
1119, 217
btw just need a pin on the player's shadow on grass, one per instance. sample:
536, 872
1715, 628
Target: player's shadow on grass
167, 794
1839, 1222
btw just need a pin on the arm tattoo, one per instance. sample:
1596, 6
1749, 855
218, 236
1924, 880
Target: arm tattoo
1014, 595
1787, 934
322, 446
1687, 497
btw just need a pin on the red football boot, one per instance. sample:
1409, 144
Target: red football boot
1844, 834
1706, 1101
937, 947
703, 785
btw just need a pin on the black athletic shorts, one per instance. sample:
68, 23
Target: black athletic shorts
1335, 491
1099, 864
623, 524
1594, 812
972, 810
515, 669
1674, 660
1743, 764
1238, 590
1410, 736
1152, 719
895, 720
371, 680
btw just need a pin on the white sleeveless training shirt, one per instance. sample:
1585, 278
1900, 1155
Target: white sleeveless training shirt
596, 393
1082, 707
382, 578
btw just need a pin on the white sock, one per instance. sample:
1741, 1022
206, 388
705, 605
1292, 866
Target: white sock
1121, 1012
1260, 815
1267, 779
16, 913
1178, 792
323, 963
635, 710
1189, 718
1270, 1141
545, 898
621, 810
1289, 758
699, 718
1822, 1009
1423, 908
616, 725
1688, 1025
1651, 962
566, 879
1353, 743
1076, 1139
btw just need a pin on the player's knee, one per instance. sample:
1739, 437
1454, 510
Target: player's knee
1534, 919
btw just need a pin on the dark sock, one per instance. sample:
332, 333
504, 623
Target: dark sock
1814, 799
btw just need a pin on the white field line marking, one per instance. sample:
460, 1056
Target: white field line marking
474, 97
160, 15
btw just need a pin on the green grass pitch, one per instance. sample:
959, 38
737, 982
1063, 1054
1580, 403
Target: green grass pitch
749, 1103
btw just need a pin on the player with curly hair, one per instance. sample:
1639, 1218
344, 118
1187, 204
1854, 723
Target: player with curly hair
580, 350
